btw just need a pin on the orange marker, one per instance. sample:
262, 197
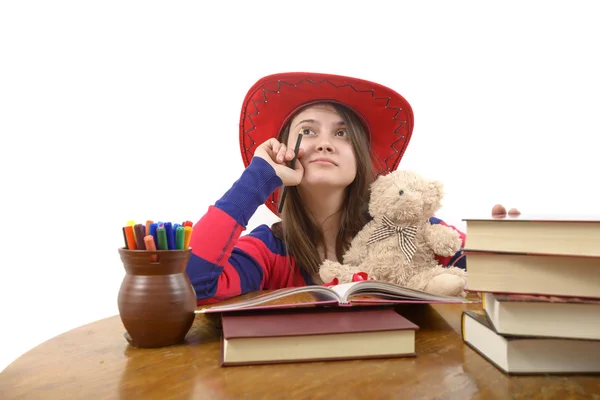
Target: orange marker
187, 236
148, 225
149, 241
130, 237
151, 246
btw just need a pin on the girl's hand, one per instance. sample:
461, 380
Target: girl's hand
279, 156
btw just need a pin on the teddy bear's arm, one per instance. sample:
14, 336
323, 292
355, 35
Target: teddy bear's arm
333, 269
443, 240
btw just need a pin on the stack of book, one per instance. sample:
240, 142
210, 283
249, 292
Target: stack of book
318, 323
539, 280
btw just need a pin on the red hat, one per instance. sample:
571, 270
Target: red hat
269, 104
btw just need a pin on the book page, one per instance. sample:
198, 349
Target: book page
315, 294
387, 290
342, 290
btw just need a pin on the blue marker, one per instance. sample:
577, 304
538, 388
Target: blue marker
153, 228
170, 235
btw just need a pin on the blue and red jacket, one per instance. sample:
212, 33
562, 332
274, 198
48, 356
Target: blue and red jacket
224, 263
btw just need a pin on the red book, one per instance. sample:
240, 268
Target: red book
286, 336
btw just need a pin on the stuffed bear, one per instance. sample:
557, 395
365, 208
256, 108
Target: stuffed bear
399, 244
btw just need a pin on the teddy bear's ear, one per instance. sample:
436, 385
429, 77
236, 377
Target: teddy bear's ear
436, 189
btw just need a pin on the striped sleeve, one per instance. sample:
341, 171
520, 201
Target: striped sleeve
223, 264
459, 259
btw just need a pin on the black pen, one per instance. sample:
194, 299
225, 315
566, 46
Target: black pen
292, 165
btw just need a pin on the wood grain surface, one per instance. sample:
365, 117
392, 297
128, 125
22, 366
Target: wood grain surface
95, 362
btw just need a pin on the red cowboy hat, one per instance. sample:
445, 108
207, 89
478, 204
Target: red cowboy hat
269, 104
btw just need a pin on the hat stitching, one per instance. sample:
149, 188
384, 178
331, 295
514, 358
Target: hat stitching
281, 82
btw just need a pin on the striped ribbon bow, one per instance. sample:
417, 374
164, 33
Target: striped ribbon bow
406, 236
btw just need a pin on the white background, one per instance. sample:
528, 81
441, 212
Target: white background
119, 110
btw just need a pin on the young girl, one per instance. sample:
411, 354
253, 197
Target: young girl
352, 131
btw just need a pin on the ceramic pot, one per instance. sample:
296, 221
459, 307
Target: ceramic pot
156, 299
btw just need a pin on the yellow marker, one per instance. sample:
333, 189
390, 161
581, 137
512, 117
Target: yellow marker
187, 236
132, 224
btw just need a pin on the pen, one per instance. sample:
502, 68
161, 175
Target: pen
292, 165
139, 231
188, 235
162, 238
148, 223
152, 232
179, 237
149, 242
130, 237
170, 236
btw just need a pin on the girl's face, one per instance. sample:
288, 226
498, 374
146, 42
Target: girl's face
329, 158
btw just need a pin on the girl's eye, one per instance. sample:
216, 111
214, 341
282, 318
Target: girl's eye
342, 133
306, 131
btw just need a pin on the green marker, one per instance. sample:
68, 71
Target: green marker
179, 235
162, 239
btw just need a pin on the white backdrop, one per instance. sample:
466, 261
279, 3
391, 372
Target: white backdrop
111, 111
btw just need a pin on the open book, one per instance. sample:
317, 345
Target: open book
344, 295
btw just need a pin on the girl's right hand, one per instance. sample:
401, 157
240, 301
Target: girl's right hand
279, 156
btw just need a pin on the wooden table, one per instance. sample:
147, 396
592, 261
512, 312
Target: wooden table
95, 362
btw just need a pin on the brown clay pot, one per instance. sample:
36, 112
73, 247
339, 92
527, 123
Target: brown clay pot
156, 299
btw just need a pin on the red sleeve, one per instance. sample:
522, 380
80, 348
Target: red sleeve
459, 258
224, 264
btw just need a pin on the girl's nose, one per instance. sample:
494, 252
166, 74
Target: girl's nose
324, 145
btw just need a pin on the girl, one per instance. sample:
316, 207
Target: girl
352, 131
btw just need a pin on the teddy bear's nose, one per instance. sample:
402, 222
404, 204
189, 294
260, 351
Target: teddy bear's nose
401, 192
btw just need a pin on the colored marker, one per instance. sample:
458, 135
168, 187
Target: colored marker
179, 238
162, 239
170, 235
149, 242
152, 232
188, 235
187, 223
130, 237
140, 231
125, 238
148, 226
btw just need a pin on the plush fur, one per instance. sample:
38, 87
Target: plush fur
406, 199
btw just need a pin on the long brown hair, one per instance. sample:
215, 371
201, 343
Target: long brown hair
299, 230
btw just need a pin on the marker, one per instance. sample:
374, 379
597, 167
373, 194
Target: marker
188, 235
152, 232
149, 242
140, 231
170, 235
188, 223
162, 239
179, 238
292, 165
130, 237
125, 238
148, 223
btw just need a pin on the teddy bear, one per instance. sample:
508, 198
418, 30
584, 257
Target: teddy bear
399, 243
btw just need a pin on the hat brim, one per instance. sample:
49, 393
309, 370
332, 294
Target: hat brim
387, 117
